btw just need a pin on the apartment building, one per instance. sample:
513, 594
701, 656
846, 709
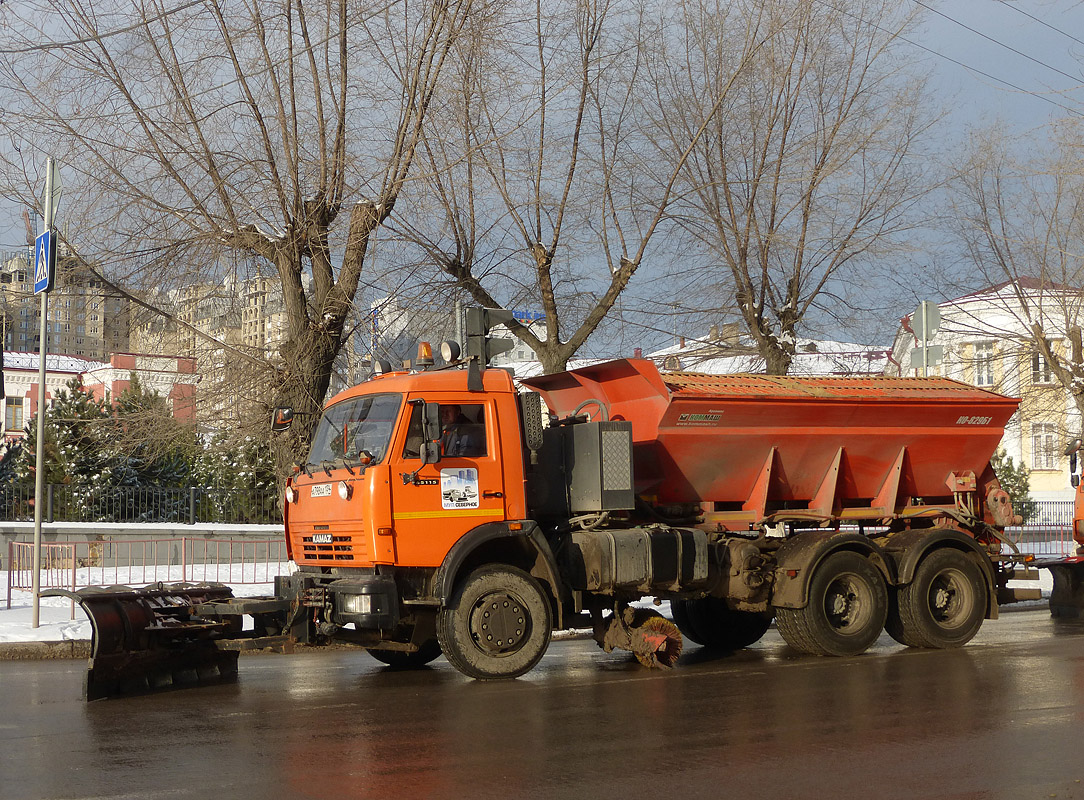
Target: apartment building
85, 319
986, 341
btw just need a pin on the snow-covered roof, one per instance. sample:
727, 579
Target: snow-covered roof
812, 357
532, 369
53, 362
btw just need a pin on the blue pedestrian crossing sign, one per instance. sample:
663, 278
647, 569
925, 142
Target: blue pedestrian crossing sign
44, 262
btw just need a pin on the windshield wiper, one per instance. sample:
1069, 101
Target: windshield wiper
327, 469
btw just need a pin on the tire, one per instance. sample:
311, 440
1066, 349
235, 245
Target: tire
679, 610
710, 622
943, 606
496, 625
846, 609
398, 659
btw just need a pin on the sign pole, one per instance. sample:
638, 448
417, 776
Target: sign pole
925, 339
39, 470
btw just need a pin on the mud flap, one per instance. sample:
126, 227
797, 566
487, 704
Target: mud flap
149, 638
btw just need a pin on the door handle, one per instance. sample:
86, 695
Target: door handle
492, 494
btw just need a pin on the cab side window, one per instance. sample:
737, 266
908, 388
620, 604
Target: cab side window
462, 431
413, 446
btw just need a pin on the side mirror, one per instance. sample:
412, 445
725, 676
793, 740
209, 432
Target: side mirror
281, 419
430, 451
1074, 481
1072, 462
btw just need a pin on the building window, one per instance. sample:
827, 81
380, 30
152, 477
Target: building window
1040, 369
984, 364
13, 414
1043, 448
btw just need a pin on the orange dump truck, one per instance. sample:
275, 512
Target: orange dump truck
1067, 571
441, 510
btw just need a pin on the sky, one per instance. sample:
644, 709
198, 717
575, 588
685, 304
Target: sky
1016, 63
969, 45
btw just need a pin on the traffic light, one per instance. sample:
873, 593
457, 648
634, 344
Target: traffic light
480, 321
481, 348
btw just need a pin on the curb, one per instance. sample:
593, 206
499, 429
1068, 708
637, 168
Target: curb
41, 651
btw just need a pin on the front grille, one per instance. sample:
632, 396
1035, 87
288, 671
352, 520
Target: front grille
340, 549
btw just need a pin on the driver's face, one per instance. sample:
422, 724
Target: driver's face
448, 414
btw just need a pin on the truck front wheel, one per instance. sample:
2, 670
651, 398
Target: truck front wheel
496, 624
846, 609
943, 606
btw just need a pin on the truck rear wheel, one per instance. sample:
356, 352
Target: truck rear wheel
943, 606
710, 622
399, 659
496, 625
846, 609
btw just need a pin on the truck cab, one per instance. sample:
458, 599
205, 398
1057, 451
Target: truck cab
412, 479
368, 496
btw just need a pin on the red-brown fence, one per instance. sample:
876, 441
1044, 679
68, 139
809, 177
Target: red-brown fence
137, 562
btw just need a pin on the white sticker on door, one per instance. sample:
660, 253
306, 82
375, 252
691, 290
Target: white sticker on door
459, 488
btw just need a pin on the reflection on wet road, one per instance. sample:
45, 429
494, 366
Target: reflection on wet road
1001, 718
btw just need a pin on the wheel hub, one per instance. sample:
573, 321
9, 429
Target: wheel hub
498, 623
845, 606
945, 602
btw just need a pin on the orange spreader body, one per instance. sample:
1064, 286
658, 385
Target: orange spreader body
754, 442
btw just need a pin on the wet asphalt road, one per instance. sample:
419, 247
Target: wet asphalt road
1002, 718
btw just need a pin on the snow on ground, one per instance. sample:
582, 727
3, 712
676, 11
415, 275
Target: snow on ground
59, 622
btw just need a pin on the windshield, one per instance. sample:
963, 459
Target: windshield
349, 427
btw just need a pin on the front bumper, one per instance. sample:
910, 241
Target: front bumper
370, 602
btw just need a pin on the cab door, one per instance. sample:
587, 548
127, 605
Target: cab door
434, 505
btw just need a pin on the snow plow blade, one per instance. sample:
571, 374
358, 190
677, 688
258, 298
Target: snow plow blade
150, 638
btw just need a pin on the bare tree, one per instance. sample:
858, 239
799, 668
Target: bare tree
198, 138
809, 172
546, 176
1021, 220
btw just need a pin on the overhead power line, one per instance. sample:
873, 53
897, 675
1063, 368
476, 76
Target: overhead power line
1034, 18
1001, 81
998, 42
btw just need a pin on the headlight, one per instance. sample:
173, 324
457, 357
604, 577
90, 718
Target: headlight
345, 490
356, 603
291, 495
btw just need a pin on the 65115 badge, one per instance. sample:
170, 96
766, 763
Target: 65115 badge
459, 488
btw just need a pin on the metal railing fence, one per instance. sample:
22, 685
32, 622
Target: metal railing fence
137, 562
185, 505
1047, 529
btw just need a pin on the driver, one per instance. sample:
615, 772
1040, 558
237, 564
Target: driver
458, 436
